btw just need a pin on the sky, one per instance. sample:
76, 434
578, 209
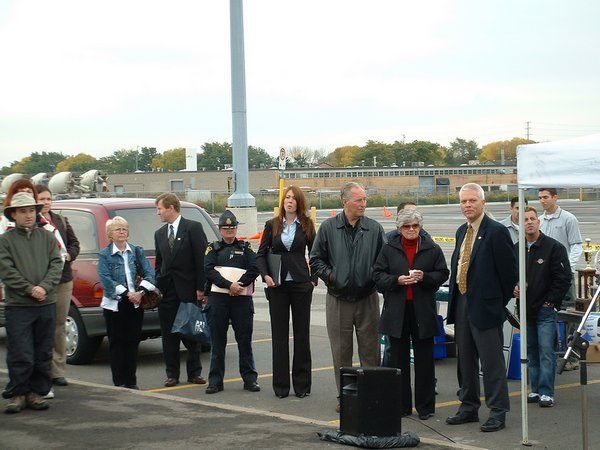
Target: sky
97, 77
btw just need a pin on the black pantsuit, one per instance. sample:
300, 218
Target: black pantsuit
297, 297
423, 364
124, 331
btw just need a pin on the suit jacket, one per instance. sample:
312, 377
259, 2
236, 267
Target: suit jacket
182, 267
292, 260
491, 278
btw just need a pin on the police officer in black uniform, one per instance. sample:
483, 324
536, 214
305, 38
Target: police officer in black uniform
230, 300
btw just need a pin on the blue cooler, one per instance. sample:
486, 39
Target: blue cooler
439, 341
514, 364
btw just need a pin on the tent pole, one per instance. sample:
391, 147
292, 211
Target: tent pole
523, 320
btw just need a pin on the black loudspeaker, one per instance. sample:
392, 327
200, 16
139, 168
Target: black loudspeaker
371, 401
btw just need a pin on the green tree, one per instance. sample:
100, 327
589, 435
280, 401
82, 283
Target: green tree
145, 157
78, 163
420, 151
215, 155
462, 151
38, 162
258, 158
376, 152
493, 150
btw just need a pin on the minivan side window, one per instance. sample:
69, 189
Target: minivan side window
143, 222
84, 226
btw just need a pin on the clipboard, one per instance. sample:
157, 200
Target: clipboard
231, 274
274, 265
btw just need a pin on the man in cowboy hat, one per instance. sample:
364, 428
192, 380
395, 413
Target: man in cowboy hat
30, 267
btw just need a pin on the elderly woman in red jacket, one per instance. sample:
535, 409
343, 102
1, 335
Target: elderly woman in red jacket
409, 270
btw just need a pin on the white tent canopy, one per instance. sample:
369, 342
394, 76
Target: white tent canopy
567, 163
557, 164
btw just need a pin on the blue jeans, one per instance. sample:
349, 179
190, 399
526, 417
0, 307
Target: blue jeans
541, 345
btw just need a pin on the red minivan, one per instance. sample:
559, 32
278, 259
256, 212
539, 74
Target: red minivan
85, 322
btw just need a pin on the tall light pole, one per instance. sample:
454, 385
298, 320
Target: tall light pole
240, 197
241, 202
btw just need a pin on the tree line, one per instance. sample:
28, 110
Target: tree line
218, 156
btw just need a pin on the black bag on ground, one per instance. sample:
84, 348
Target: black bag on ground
191, 322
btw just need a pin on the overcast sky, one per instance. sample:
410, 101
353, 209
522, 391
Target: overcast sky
96, 77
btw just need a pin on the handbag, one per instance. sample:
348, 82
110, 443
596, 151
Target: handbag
150, 299
192, 323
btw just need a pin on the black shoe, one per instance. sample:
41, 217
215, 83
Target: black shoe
282, 395
60, 381
492, 424
406, 414
461, 418
132, 386
213, 389
252, 387
302, 394
425, 416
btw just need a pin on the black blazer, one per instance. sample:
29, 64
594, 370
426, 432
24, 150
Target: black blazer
292, 260
182, 267
492, 274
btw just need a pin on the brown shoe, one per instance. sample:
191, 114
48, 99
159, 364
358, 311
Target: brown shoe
337, 408
15, 405
170, 382
197, 379
36, 402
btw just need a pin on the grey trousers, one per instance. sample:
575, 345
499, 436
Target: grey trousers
59, 352
475, 345
342, 319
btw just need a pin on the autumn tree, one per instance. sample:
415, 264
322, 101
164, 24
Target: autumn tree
78, 163
173, 159
305, 157
343, 156
493, 150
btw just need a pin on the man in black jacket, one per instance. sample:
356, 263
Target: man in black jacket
343, 255
180, 246
548, 280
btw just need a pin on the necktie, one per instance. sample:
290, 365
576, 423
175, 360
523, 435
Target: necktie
171, 236
464, 261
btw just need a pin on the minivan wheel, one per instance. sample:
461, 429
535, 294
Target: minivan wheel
81, 348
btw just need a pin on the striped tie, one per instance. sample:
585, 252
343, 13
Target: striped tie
171, 236
464, 261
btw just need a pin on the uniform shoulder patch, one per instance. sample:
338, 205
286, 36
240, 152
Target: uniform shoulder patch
209, 249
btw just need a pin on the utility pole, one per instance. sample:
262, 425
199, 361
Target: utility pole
527, 129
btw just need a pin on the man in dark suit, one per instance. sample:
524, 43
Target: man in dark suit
180, 246
484, 273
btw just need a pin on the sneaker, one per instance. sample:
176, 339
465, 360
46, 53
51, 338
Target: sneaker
49, 395
546, 401
533, 398
35, 402
15, 405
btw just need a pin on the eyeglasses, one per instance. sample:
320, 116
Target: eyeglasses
411, 226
